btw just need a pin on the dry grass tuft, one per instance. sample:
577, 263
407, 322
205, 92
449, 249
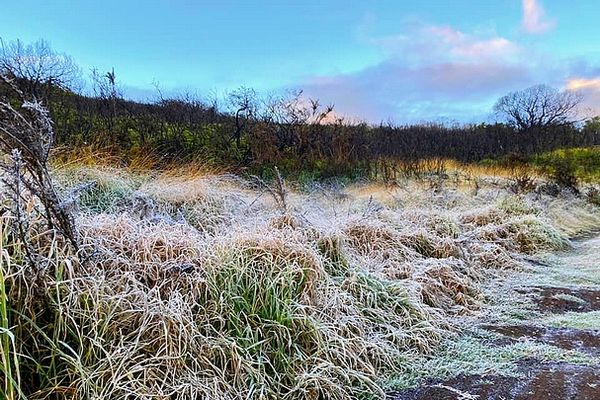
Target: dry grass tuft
487, 216
528, 235
371, 239
285, 221
442, 286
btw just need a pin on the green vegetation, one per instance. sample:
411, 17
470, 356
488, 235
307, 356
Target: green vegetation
569, 298
563, 164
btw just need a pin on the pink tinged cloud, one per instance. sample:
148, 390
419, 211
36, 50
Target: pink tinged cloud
583, 84
534, 18
590, 89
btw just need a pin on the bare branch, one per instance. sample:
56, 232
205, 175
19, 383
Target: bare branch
539, 106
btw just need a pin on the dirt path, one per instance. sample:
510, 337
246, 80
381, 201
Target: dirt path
557, 306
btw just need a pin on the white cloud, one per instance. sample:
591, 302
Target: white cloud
534, 18
470, 47
425, 43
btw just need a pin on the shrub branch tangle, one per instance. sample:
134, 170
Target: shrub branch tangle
28, 135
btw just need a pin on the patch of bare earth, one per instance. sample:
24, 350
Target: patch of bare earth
547, 381
583, 340
559, 300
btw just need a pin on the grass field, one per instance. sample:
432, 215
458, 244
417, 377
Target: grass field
192, 285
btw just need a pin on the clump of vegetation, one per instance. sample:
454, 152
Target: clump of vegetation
516, 206
306, 302
564, 175
111, 188
592, 195
577, 164
525, 234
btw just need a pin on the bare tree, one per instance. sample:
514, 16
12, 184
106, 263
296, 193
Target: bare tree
36, 68
293, 113
106, 89
243, 103
538, 106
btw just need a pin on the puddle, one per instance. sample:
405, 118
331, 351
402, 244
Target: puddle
582, 340
559, 300
546, 381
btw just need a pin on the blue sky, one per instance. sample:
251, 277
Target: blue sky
403, 61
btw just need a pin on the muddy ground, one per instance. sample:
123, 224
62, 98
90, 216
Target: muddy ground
541, 381
538, 380
586, 341
553, 299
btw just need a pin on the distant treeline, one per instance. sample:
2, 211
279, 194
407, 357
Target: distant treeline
296, 134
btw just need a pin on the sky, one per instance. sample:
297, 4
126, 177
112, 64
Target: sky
401, 61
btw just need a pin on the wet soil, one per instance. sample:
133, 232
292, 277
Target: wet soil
551, 300
548, 381
582, 340
539, 380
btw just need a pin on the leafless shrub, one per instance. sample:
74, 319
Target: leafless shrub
15, 188
476, 185
277, 190
423, 168
372, 208
27, 135
521, 182
37, 67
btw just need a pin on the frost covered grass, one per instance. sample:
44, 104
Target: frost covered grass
194, 286
588, 320
569, 298
476, 356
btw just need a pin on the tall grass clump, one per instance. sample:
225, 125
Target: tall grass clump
109, 190
243, 318
8, 352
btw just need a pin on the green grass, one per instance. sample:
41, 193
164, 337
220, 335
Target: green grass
111, 187
569, 298
9, 360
